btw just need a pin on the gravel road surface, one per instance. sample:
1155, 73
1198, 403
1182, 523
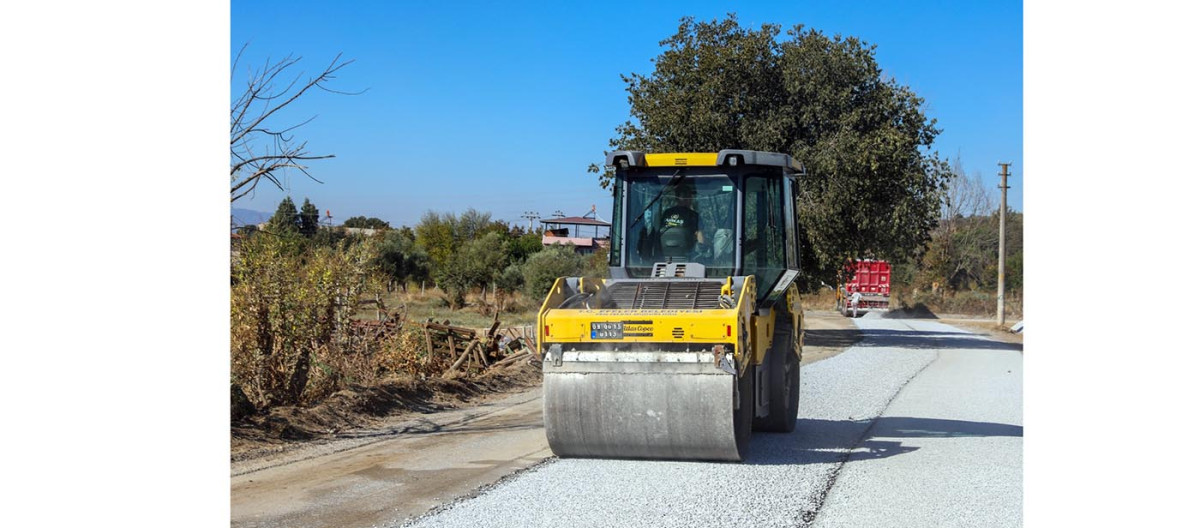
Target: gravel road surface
919, 424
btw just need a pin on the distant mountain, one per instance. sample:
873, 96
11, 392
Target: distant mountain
243, 217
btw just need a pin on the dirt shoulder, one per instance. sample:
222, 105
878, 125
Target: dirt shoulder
397, 470
827, 334
987, 327
357, 411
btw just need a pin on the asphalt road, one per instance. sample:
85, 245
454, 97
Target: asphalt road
919, 424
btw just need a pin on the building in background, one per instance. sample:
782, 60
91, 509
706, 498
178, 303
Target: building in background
587, 233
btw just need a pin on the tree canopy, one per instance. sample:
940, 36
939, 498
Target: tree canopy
465, 251
401, 259
309, 219
443, 234
286, 219
364, 222
872, 187
547, 265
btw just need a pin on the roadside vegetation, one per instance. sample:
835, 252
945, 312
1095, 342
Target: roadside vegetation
318, 309
956, 272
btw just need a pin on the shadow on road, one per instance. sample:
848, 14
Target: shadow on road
832, 338
931, 340
827, 441
918, 311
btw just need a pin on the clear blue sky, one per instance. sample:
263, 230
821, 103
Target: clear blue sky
501, 106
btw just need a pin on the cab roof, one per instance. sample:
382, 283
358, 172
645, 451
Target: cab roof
729, 157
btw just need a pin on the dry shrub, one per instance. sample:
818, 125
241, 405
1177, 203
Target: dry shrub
970, 302
405, 352
822, 299
294, 338
291, 306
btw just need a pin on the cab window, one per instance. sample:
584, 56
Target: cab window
763, 239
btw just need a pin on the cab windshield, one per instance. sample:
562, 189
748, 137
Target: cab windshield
681, 216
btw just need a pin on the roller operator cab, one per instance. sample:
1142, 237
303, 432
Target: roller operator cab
696, 337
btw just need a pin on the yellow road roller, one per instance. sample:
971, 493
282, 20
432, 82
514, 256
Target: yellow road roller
695, 338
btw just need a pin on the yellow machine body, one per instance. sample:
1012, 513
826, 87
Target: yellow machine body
677, 362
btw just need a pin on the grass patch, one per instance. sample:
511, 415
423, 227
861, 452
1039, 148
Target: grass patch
824, 299
477, 314
969, 302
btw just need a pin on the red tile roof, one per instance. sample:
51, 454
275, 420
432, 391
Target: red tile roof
575, 220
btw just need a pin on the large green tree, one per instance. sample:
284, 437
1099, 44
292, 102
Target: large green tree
475, 264
522, 244
309, 218
286, 219
483, 259
364, 222
440, 235
401, 260
872, 187
443, 234
465, 251
543, 267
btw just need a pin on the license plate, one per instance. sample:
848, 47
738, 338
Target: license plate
608, 330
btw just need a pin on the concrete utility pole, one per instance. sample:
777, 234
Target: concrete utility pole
531, 215
1003, 211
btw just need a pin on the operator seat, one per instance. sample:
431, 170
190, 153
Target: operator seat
676, 241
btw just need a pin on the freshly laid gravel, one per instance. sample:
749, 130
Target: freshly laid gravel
782, 483
958, 429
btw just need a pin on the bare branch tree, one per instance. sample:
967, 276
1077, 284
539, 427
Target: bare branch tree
959, 246
259, 149
966, 196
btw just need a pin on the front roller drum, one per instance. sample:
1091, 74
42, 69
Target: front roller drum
652, 410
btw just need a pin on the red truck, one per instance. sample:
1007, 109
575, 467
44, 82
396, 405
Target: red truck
867, 285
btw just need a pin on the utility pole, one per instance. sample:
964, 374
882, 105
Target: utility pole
530, 215
1003, 211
